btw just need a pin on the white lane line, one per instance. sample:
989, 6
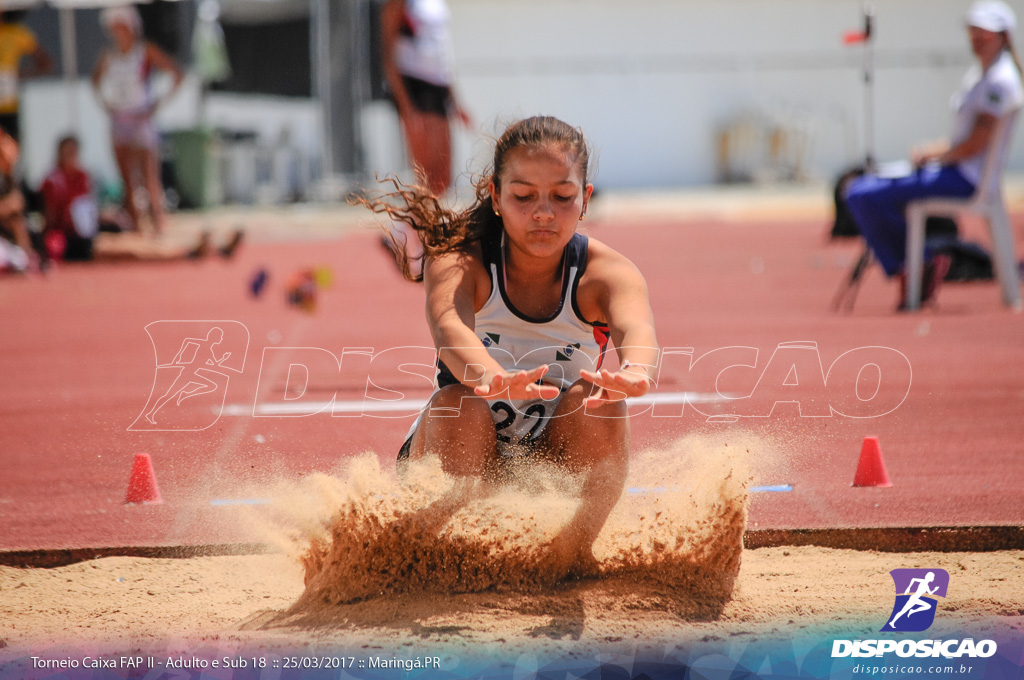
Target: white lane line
412, 405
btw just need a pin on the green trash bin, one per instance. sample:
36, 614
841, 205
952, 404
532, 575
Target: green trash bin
196, 156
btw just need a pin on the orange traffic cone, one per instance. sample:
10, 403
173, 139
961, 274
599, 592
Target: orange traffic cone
142, 486
871, 467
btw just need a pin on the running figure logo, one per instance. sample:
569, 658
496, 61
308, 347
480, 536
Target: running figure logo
194, 362
916, 592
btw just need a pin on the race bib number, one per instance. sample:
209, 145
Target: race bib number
520, 425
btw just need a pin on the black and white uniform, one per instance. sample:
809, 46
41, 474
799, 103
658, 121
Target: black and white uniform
565, 341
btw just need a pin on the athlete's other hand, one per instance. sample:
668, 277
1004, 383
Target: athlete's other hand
517, 385
568, 555
631, 381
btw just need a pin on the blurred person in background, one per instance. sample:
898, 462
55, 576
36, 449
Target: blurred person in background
419, 65
16, 253
991, 89
16, 43
74, 222
121, 80
20, 57
70, 210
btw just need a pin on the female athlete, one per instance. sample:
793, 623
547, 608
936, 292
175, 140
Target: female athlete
521, 308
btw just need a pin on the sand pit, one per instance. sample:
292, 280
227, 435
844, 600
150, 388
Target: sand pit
235, 603
681, 529
359, 566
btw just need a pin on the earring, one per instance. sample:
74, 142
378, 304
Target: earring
583, 216
497, 213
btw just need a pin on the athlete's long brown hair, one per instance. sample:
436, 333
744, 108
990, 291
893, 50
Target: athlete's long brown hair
442, 230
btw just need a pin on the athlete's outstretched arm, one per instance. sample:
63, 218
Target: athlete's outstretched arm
451, 288
625, 302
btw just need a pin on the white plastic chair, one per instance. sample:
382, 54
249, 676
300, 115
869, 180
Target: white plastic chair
987, 202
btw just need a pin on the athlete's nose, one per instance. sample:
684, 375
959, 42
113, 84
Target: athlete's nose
544, 212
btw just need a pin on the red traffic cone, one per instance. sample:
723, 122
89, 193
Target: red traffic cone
142, 486
871, 467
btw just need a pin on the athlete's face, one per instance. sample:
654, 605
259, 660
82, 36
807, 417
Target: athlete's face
541, 196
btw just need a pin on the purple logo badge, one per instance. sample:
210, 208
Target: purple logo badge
916, 593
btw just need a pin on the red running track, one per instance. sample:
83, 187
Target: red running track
77, 367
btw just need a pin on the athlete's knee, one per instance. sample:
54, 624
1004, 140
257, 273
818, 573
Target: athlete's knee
457, 401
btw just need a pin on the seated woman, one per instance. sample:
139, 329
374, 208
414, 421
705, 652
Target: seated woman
991, 89
72, 219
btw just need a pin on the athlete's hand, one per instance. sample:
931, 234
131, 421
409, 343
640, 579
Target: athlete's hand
631, 381
567, 556
517, 385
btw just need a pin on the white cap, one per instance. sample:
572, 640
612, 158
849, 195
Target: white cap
124, 14
992, 15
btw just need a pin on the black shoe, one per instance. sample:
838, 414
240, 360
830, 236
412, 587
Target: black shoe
935, 271
229, 248
934, 274
201, 249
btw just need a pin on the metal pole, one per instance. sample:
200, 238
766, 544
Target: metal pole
869, 87
69, 62
359, 70
320, 57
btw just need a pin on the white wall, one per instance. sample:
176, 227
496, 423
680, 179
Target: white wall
47, 115
652, 81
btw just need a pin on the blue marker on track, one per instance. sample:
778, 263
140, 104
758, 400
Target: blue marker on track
643, 490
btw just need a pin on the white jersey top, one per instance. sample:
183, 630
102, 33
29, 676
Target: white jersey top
424, 46
565, 341
125, 83
997, 91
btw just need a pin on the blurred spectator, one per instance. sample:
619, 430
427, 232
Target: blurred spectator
122, 83
73, 221
16, 42
16, 252
990, 90
72, 218
419, 66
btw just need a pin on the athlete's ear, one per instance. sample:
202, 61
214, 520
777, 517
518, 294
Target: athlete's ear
588, 191
495, 205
